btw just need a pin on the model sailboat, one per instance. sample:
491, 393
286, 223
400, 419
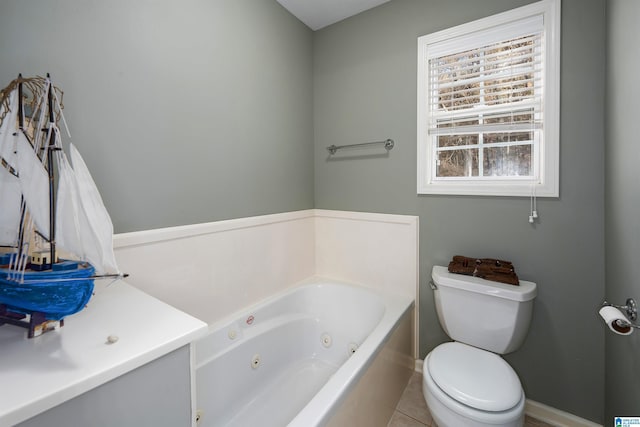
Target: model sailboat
49, 206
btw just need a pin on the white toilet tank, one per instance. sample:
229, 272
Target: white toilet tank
490, 315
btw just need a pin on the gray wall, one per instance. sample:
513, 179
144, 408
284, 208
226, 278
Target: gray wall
365, 89
622, 202
185, 111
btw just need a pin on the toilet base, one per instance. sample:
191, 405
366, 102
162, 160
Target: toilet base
447, 412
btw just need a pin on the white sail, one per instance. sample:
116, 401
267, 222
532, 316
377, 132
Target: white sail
100, 254
74, 232
34, 183
9, 186
10, 212
70, 220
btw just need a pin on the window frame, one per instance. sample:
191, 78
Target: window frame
546, 183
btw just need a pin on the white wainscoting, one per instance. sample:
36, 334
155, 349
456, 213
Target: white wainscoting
213, 269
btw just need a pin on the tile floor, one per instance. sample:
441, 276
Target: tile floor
412, 410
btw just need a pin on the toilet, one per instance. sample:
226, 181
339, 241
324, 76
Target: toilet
465, 382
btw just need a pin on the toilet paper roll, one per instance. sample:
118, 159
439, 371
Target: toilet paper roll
616, 320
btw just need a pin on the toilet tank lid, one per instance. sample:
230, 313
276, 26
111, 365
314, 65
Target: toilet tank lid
524, 292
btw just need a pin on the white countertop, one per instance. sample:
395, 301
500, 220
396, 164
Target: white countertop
40, 373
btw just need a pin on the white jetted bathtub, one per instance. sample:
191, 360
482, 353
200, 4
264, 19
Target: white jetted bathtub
318, 354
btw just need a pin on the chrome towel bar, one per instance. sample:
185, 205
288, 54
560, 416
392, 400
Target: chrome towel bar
388, 145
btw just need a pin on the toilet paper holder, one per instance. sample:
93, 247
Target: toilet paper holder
630, 310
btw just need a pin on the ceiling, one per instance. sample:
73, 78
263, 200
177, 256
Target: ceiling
317, 14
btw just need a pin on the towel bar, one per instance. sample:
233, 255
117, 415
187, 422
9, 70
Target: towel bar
388, 145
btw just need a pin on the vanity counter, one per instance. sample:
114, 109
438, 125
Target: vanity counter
40, 373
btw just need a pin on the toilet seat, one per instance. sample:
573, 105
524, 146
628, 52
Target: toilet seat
473, 377
448, 412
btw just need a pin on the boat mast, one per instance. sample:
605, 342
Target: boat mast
22, 205
50, 149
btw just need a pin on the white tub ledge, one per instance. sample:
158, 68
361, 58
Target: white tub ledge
40, 373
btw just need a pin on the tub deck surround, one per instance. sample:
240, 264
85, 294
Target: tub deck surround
213, 269
293, 358
41, 373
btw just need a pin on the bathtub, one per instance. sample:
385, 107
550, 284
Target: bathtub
319, 354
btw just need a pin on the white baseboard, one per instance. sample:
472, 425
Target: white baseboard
543, 412
554, 416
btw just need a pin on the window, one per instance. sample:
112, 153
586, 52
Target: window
488, 105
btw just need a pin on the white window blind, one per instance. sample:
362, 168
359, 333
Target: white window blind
496, 81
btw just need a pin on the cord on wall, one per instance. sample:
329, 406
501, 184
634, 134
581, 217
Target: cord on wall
533, 213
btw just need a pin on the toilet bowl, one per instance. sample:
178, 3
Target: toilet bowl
468, 387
